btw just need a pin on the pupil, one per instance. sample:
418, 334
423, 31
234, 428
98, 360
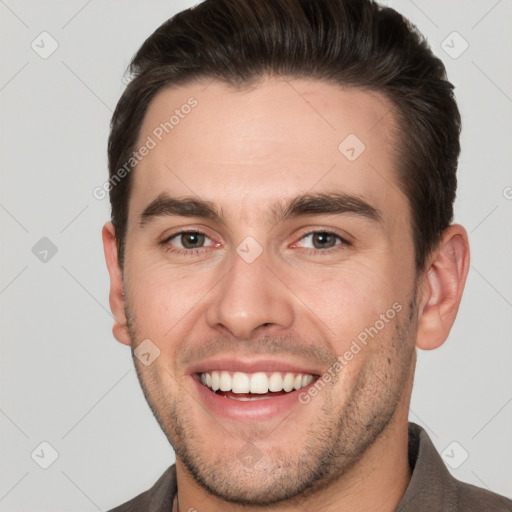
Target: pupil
322, 240
191, 240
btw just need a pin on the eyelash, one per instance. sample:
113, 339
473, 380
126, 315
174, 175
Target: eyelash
192, 252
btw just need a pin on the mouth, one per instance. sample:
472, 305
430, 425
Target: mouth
249, 390
246, 387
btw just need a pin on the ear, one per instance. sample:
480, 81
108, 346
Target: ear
442, 286
116, 296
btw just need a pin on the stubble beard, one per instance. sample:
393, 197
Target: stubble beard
334, 443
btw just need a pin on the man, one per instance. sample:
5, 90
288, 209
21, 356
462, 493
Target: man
282, 175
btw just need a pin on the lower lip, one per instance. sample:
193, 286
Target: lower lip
252, 410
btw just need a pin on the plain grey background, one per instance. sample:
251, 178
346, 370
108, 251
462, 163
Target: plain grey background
65, 381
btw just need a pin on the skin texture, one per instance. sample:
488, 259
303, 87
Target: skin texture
246, 151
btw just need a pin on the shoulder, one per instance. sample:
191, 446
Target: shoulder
472, 498
158, 498
433, 488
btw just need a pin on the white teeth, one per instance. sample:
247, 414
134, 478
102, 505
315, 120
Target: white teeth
240, 383
215, 381
275, 383
257, 383
306, 379
288, 382
225, 381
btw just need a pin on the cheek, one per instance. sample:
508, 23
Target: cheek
163, 298
347, 300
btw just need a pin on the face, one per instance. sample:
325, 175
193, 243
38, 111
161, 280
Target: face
265, 252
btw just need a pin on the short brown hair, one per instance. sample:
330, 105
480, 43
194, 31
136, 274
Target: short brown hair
355, 43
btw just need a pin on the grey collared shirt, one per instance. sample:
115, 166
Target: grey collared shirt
432, 488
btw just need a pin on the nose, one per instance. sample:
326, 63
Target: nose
250, 296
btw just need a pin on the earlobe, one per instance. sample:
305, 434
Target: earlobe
441, 288
116, 295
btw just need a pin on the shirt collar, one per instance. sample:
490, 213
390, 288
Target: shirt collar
431, 486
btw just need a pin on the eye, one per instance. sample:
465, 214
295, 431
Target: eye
322, 240
187, 241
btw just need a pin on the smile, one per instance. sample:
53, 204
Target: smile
248, 390
254, 386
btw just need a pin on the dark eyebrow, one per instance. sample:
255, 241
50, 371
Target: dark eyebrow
326, 204
306, 204
165, 205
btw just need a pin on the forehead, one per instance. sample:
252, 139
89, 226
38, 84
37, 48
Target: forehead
247, 148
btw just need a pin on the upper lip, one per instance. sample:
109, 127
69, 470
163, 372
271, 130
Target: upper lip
252, 365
